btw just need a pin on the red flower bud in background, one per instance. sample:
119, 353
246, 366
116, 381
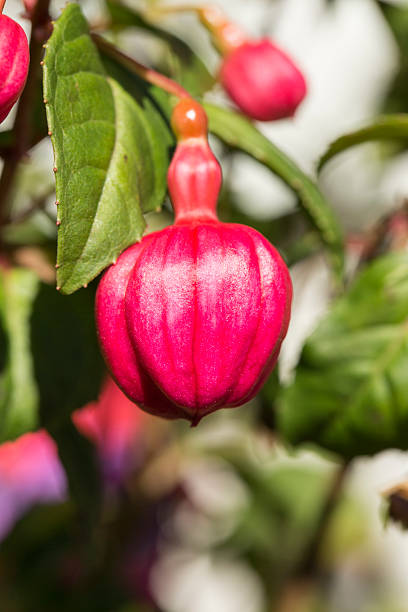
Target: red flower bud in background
263, 81
259, 77
192, 318
29, 6
14, 62
114, 424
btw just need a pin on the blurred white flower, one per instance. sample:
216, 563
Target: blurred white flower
183, 581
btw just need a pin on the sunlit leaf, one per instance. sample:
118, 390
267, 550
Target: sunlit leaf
110, 160
18, 391
237, 132
391, 127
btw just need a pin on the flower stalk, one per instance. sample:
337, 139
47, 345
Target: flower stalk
147, 74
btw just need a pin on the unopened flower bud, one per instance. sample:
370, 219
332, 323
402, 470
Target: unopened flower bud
258, 76
192, 318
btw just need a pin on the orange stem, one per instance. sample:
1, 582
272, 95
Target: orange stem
2, 3
225, 34
177, 8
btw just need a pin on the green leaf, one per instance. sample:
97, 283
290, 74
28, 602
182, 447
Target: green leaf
350, 393
67, 360
18, 391
110, 159
184, 65
237, 132
388, 127
283, 509
80, 462
6, 140
156, 105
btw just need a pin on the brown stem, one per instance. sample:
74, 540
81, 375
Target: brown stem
35, 205
300, 584
2, 3
310, 558
147, 74
23, 125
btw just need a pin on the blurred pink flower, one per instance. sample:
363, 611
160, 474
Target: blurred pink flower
30, 473
112, 423
30, 469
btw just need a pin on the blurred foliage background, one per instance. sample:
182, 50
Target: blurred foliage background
296, 502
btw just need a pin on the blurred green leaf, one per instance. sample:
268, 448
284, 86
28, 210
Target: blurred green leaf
6, 140
81, 466
350, 393
110, 161
387, 127
184, 65
67, 361
69, 370
237, 132
279, 522
18, 391
397, 19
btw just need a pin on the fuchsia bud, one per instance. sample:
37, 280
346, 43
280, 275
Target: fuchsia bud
15, 58
259, 77
263, 81
192, 318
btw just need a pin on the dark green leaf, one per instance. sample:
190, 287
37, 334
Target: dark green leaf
18, 391
81, 466
237, 132
155, 102
69, 371
110, 160
6, 140
350, 393
68, 365
184, 65
391, 127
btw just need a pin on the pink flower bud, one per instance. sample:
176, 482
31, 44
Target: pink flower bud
15, 58
258, 76
192, 318
262, 81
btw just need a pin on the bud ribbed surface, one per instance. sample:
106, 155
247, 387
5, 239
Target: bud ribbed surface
193, 317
